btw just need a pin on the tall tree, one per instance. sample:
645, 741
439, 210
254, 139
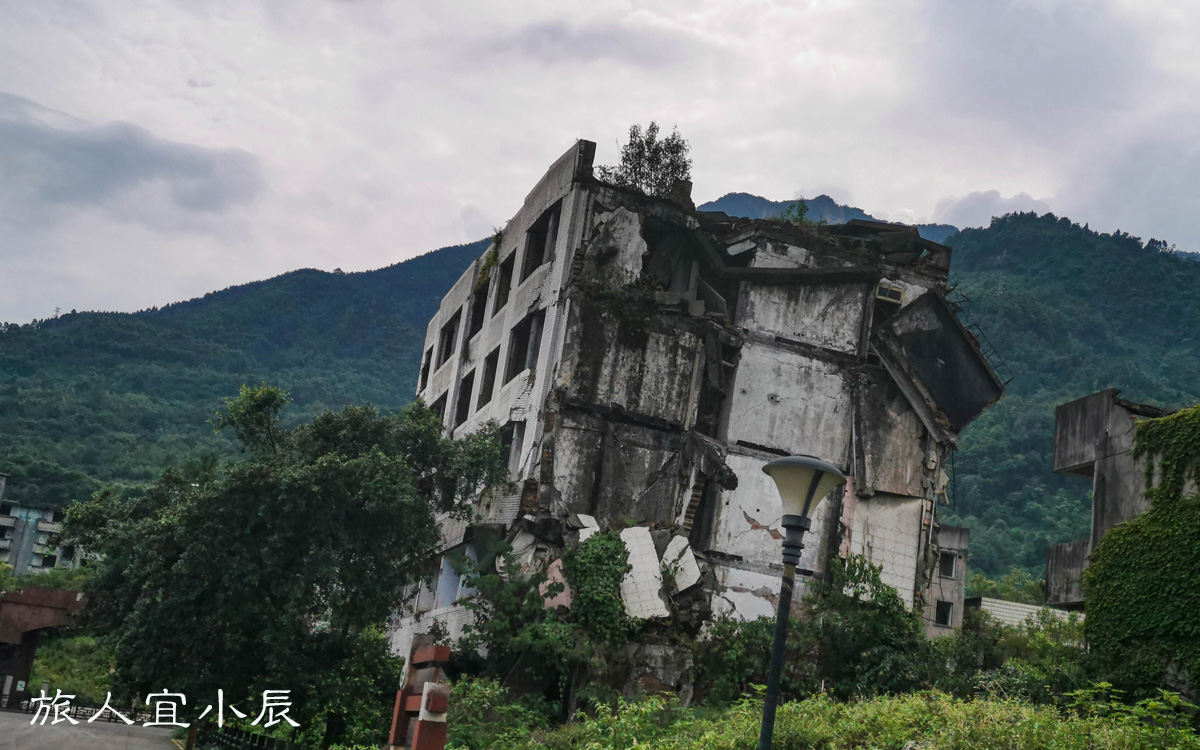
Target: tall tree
649, 164
279, 571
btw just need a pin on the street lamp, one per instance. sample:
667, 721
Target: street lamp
803, 481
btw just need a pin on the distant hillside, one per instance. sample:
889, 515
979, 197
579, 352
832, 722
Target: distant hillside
821, 208
94, 397
1072, 312
117, 396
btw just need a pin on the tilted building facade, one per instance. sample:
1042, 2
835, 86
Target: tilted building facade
646, 359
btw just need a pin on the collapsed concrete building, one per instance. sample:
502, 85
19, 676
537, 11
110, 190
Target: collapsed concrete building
1093, 440
646, 359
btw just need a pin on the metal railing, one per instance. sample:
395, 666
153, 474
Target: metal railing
227, 738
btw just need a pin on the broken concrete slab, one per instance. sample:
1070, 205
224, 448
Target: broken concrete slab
681, 561
642, 586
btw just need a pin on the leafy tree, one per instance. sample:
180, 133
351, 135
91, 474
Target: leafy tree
1017, 585
649, 164
278, 571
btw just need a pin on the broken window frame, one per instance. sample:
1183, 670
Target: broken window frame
953, 558
512, 439
426, 361
462, 407
448, 338
889, 298
943, 616
487, 385
524, 342
439, 405
540, 240
504, 282
478, 313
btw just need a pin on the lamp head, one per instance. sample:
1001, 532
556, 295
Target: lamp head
803, 481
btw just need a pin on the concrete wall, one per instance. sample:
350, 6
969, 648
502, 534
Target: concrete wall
1064, 573
948, 589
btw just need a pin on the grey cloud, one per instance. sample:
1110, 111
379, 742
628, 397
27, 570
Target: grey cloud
48, 168
1149, 190
556, 42
1048, 71
977, 209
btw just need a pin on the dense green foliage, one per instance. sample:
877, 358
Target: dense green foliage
650, 164
594, 571
112, 397
1072, 312
78, 665
279, 571
1143, 584
920, 720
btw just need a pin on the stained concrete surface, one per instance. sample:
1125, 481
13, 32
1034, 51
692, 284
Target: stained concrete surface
16, 733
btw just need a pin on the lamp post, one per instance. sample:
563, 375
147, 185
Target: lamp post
803, 481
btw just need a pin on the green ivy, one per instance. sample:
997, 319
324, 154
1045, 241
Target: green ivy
1143, 584
594, 571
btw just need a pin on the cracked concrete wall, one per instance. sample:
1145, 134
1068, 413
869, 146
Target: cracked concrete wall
824, 315
791, 402
887, 531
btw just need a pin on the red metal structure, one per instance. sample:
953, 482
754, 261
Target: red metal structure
419, 716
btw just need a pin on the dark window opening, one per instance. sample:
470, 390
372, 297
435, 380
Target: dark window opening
49, 561
947, 564
504, 283
439, 406
463, 409
539, 241
488, 384
425, 363
888, 300
6, 509
523, 344
944, 614
511, 438
478, 312
448, 340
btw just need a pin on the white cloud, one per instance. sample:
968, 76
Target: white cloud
275, 134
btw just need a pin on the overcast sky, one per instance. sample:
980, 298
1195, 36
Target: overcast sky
154, 150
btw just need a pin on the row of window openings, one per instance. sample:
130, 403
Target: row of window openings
523, 345
539, 249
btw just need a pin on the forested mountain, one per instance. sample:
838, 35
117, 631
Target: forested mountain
90, 397
1072, 312
118, 396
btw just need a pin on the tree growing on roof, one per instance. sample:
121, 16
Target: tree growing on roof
649, 164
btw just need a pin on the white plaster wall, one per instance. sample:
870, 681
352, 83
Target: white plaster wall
788, 401
748, 518
748, 594
826, 315
886, 532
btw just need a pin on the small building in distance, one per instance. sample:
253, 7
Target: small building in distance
645, 360
25, 536
1093, 440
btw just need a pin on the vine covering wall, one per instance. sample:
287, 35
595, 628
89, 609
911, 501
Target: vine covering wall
1143, 584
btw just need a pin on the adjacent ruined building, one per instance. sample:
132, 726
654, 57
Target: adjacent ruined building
1093, 440
646, 359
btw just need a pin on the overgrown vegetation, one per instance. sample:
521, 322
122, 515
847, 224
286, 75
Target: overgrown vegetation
1143, 583
915, 720
280, 570
649, 164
